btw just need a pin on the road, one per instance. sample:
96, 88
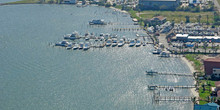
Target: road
217, 5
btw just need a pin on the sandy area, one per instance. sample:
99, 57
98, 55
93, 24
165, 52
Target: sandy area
189, 64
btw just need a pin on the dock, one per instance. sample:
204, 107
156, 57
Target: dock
174, 98
127, 29
157, 97
168, 73
155, 87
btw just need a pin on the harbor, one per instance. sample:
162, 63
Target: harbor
50, 77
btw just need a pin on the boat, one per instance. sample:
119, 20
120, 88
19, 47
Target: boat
69, 47
72, 36
132, 43
114, 42
62, 43
109, 42
157, 51
97, 22
151, 72
138, 43
76, 46
164, 54
121, 43
86, 46
81, 45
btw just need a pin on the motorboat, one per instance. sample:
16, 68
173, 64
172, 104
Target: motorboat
132, 43
76, 46
97, 22
86, 46
109, 42
62, 43
121, 43
114, 42
164, 54
157, 51
138, 43
69, 47
72, 36
81, 45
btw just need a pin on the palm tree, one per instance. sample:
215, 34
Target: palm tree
207, 19
205, 45
199, 18
187, 19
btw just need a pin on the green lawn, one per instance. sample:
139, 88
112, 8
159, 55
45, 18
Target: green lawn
218, 2
205, 94
179, 16
197, 63
24, 1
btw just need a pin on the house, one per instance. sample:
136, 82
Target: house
208, 106
159, 4
69, 1
212, 67
158, 20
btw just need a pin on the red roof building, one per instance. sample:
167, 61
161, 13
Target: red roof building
212, 66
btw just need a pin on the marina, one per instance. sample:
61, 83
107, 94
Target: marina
53, 78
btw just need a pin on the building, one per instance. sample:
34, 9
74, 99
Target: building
70, 1
182, 37
208, 106
212, 66
158, 20
159, 4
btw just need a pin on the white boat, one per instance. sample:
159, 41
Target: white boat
86, 46
72, 36
76, 46
97, 22
132, 43
138, 43
114, 42
63, 43
81, 45
69, 47
121, 43
164, 54
157, 51
109, 42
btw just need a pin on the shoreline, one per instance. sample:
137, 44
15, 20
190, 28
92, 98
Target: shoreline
192, 70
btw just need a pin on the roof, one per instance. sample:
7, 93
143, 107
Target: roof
217, 84
159, 17
208, 106
212, 60
218, 94
182, 35
161, 0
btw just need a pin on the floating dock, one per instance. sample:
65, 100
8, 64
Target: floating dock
174, 98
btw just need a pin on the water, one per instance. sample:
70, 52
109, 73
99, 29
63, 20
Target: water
7, 1
34, 75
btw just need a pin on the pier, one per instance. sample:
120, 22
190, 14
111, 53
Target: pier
168, 73
155, 87
157, 98
127, 29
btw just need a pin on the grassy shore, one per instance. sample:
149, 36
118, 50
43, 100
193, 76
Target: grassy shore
179, 16
204, 93
24, 2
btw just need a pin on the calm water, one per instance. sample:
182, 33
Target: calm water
7, 1
36, 76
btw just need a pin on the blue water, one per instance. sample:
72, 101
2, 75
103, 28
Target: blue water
37, 76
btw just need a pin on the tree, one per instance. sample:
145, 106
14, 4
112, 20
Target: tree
205, 45
207, 19
187, 19
199, 18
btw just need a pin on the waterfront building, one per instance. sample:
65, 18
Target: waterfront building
158, 20
208, 106
159, 4
70, 1
212, 66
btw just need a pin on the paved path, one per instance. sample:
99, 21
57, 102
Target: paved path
217, 5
